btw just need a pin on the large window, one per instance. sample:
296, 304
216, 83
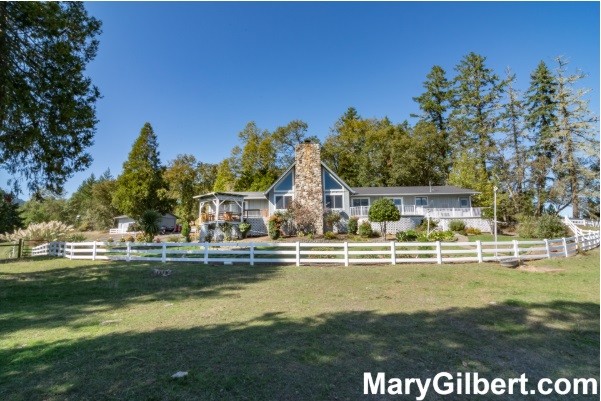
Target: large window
285, 184
464, 202
282, 201
334, 201
330, 182
360, 202
421, 201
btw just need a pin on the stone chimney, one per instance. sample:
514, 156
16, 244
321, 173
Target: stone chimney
308, 186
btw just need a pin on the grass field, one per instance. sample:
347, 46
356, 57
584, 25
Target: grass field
82, 330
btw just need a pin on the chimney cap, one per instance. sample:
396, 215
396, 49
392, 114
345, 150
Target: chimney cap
307, 141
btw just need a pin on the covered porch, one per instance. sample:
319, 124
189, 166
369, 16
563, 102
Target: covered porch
220, 207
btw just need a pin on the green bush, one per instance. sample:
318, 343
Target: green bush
442, 236
329, 235
456, 225
365, 229
186, 231
353, 225
551, 226
527, 227
472, 231
274, 225
331, 218
406, 236
76, 238
150, 222
244, 229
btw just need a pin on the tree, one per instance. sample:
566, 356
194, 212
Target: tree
150, 222
90, 207
141, 186
9, 213
47, 112
476, 107
225, 178
541, 120
577, 143
382, 211
435, 103
255, 160
285, 140
44, 207
181, 177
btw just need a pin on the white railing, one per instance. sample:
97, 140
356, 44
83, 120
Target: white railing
332, 252
585, 222
422, 211
117, 231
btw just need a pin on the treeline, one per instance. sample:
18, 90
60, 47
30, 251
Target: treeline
475, 129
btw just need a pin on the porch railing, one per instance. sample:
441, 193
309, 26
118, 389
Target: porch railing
406, 210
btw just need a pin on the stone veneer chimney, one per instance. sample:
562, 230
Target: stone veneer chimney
308, 186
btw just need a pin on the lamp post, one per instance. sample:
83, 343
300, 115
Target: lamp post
495, 217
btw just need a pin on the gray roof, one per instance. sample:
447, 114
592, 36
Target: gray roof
251, 195
425, 190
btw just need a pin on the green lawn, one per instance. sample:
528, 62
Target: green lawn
82, 330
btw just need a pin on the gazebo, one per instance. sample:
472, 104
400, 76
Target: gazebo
217, 208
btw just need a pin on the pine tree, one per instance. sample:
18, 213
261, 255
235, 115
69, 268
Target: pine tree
435, 103
541, 120
577, 143
476, 109
141, 187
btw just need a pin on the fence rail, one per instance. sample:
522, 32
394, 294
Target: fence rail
325, 252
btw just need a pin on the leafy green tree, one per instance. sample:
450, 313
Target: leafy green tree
47, 104
225, 179
9, 213
541, 120
102, 212
45, 207
181, 177
382, 211
141, 186
256, 159
476, 109
286, 138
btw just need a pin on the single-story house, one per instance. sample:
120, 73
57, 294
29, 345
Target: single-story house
310, 182
123, 222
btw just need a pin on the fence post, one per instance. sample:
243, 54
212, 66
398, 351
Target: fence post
164, 253
20, 249
438, 253
548, 249
128, 254
94, 251
206, 255
516, 249
565, 246
393, 252
297, 253
72, 251
252, 254
345, 253
577, 243
479, 251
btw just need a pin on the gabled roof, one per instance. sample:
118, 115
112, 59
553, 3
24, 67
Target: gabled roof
421, 190
216, 194
329, 170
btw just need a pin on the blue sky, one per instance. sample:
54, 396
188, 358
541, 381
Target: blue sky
198, 72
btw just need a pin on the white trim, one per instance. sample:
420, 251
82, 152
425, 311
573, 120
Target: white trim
359, 198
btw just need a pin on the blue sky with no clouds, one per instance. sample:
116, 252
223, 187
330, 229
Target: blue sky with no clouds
198, 72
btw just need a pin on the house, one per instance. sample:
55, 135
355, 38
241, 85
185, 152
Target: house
123, 223
313, 184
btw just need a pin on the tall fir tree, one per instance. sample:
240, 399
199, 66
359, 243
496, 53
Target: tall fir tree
435, 104
541, 120
476, 109
141, 186
577, 143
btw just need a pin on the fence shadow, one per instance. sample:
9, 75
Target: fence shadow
54, 297
321, 358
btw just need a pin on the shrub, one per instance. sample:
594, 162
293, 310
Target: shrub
527, 227
456, 225
129, 238
472, 231
331, 218
423, 226
329, 235
226, 229
150, 222
442, 236
274, 225
383, 210
186, 230
157, 240
174, 238
353, 225
75, 238
406, 236
244, 229
551, 226
141, 237
365, 229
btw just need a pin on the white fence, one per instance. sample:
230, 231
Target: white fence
325, 252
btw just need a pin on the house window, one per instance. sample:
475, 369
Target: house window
397, 201
330, 182
360, 202
464, 202
333, 201
282, 201
286, 184
421, 201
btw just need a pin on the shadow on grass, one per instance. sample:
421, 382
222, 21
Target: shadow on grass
55, 297
321, 358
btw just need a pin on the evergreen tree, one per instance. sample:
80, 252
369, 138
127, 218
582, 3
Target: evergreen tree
577, 143
141, 186
541, 119
182, 179
225, 179
47, 104
9, 213
476, 109
435, 103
